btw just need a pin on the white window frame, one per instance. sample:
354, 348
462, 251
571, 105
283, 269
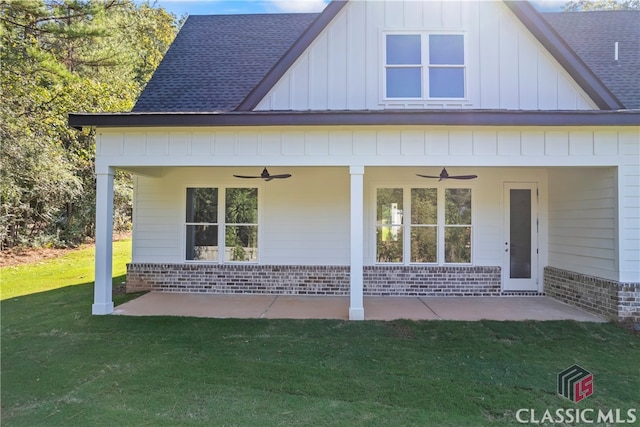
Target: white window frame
222, 224
425, 66
440, 226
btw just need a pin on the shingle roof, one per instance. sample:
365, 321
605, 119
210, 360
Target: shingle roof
592, 35
216, 60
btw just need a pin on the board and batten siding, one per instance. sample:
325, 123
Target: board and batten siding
506, 67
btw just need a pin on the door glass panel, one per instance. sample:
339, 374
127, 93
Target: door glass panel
389, 229
520, 234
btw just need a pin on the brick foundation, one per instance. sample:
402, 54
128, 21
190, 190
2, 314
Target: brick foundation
431, 281
313, 280
239, 279
610, 299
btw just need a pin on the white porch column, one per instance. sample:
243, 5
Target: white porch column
102, 299
356, 307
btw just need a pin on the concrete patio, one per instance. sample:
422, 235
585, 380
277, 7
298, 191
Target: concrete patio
375, 308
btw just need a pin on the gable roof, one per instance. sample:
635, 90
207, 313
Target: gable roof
592, 35
216, 60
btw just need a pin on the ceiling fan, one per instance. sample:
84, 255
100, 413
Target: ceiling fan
445, 175
265, 175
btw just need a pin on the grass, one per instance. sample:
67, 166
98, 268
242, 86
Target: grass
74, 268
62, 366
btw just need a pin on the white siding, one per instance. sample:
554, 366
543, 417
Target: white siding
303, 220
629, 207
582, 221
487, 206
507, 68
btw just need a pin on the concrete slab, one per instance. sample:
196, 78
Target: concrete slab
506, 308
375, 308
308, 307
391, 308
196, 305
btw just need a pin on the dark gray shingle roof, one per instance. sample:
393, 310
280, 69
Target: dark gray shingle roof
216, 60
592, 35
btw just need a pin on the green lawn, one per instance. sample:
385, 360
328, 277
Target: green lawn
74, 268
63, 367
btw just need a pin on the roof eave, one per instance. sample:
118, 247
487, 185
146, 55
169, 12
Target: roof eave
359, 118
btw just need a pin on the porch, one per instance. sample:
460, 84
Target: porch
337, 307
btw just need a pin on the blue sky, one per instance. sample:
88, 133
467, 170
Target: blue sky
227, 7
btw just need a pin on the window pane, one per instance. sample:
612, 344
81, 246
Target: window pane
389, 244
389, 209
403, 49
202, 242
457, 244
241, 243
241, 206
202, 205
446, 82
424, 206
446, 49
457, 205
424, 244
520, 234
404, 83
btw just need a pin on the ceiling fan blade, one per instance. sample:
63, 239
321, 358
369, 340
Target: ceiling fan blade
265, 175
463, 176
445, 175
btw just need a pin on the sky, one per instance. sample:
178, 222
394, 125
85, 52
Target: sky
228, 7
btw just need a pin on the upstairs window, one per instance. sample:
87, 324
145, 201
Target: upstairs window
424, 66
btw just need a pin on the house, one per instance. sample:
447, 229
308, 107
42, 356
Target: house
373, 107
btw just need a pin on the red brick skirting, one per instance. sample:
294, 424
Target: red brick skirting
313, 280
613, 300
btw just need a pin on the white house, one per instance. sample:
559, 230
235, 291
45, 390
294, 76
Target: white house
355, 104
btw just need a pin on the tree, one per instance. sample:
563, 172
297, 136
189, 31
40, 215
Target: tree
586, 5
61, 56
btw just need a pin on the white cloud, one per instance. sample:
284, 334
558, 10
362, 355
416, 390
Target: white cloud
296, 6
548, 5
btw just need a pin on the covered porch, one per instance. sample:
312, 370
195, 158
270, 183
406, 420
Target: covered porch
320, 232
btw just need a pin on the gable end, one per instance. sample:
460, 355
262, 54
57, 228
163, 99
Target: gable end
561, 51
281, 67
